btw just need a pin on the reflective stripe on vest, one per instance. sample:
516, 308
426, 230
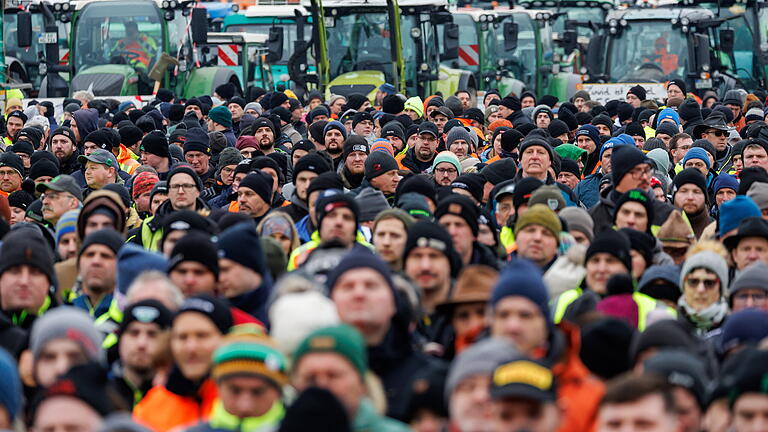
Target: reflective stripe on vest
647, 304
563, 301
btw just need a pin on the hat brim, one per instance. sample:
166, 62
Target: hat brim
521, 391
42, 187
733, 241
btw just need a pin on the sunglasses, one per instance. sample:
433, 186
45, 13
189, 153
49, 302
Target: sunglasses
708, 283
716, 132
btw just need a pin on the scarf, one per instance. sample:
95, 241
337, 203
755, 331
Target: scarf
709, 317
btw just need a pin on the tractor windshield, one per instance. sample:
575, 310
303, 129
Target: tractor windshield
27, 56
647, 51
119, 33
360, 41
583, 14
521, 61
289, 34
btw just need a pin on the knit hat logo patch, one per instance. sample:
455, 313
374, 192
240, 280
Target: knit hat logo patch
552, 204
199, 304
334, 205
322, 342
637, 195
180, 226
431, 243
145, 314
272, 362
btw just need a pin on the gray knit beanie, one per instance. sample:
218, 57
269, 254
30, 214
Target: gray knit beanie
229, 156
458, 133
710, 261
479, 359
67, 322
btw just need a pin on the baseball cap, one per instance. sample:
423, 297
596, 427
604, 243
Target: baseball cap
99, 156
428, 128
443, 110
523, 378
62, 183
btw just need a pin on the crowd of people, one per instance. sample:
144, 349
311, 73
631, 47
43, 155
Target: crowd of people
274, 262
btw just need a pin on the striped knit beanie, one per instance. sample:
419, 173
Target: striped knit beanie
382, 145
67, 224
248, 350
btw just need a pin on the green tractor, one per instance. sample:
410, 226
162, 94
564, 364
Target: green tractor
511, 50
582, 15
134, 47
361, 44
652, 46
287, 28
26, 34
741, 42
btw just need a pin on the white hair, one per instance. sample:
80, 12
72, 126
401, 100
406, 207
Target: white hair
173, 293
83, 94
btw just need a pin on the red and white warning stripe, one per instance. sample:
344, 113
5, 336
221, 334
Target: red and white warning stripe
469, 55
228, 55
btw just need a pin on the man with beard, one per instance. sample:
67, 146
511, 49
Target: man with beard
142, 344
690, 194
334, 135
419, 158
266, 133
97, 270
64, 147
352, 167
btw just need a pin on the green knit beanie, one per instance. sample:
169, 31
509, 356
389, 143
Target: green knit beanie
341, 339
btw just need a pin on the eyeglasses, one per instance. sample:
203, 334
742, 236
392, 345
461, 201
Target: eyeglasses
744, 297
640, 172
8, 173
715, 132
708, 283
444, 171
227, 170
186, 187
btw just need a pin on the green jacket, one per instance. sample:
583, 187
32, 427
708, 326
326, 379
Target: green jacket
368, 420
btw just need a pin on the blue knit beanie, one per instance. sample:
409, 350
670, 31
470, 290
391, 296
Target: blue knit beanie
669, 113
10, 385
241, 244
522, 278
725, 180
736, 210
697, 153
132, 260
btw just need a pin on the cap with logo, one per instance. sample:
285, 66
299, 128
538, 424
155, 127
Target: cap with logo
523, 378
99, 156
62, 183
